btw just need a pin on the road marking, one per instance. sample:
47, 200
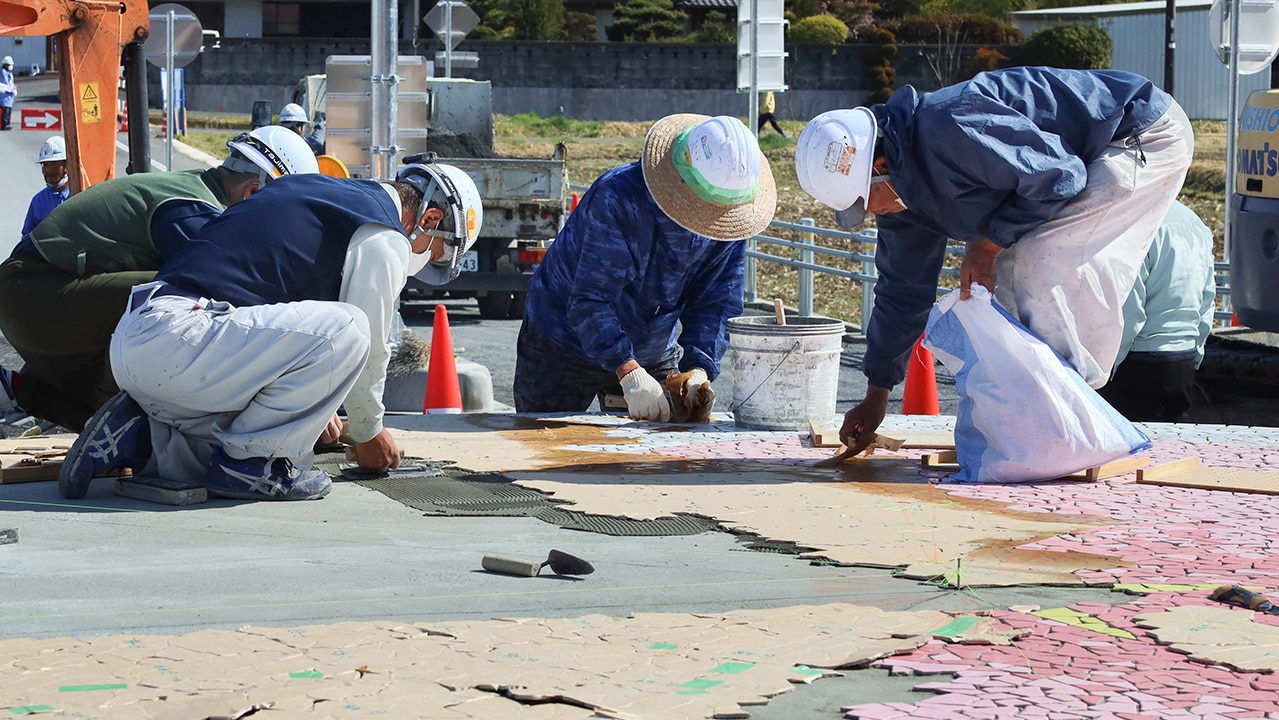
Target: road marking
154, 163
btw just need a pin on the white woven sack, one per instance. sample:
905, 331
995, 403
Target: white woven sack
1024, 414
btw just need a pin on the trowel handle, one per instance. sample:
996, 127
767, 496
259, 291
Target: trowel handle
510, 566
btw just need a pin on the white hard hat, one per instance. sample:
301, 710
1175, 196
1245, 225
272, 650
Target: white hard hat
271, 151
833, 159
55, 148
455, 192
8, 60
292, 113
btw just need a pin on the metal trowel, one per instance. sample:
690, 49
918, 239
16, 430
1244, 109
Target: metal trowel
561, 563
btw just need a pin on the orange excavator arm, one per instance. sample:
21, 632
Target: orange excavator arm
90, 37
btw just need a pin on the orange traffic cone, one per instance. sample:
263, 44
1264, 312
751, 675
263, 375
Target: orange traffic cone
572, 205
443, 394
919, 397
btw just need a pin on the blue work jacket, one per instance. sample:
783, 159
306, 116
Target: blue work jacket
42, 204
993, 157
622, 279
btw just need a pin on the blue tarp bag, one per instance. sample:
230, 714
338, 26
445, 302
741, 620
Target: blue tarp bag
1024, 414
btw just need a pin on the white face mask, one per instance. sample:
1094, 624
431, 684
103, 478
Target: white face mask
417, 261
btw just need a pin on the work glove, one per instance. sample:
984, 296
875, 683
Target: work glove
645, 397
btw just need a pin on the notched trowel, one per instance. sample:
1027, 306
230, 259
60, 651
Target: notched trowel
405, 470
561, 563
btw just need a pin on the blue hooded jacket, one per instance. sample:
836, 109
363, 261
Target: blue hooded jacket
993, 157
621, 275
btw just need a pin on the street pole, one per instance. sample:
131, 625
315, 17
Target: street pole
752, 116
384, 99
1232, 115
448, 39
171, 120
1170, 45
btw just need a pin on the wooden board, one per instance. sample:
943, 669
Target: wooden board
823, 437
34, 464
939, 460
1167, 469
1212, 478
1114, 469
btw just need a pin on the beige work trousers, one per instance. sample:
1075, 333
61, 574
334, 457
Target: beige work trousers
1067, 280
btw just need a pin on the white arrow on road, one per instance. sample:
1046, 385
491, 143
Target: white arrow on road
48, 120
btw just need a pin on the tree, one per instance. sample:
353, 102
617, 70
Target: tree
1079, 47
647, 21
535, 19
493, 24
818, 30
580, 27
948, 35
716, 29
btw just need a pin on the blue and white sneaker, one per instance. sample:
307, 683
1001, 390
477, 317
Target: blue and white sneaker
117, 436
264, 479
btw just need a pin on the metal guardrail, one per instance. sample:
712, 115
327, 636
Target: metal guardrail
862, 250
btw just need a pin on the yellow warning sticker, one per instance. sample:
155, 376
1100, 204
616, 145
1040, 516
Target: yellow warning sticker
90, 107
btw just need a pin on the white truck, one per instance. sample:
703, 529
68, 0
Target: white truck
525, 201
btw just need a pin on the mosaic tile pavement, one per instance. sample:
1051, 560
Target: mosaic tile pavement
1093, 660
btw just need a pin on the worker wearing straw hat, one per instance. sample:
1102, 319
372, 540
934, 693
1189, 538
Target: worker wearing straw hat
646, 272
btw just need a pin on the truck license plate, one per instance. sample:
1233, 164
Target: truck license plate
470, 261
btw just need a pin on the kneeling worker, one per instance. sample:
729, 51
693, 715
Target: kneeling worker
234, 361
65, 286
646, 272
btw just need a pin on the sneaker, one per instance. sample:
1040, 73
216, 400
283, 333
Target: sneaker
264, 479
8, 399
117, 436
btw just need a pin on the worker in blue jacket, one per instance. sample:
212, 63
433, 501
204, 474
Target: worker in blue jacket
1167, 320
646, 272
53, 165
1056, 181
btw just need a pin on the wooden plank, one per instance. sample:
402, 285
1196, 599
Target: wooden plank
1122, 466
937, 460
890, 442
1167, 469
1213, 478
823, 437
926, 439
33, 471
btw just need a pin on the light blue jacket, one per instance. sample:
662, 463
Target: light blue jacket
993, 157
8, 90
1170, 308
622, 279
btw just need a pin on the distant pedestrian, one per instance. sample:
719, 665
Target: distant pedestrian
53, 163
767, 105
8, 91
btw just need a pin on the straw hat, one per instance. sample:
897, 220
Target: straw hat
724, 191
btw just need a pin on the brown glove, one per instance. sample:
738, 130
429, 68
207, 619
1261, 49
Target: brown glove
691, 396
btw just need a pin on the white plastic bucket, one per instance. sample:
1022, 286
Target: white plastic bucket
784, 375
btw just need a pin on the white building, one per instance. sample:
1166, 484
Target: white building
1201, 83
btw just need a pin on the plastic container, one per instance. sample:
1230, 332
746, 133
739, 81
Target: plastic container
784, 375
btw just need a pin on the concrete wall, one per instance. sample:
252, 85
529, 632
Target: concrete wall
589, 81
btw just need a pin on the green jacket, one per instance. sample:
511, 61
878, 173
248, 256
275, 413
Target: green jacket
107, 227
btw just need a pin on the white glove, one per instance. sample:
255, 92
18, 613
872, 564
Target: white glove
697, 378
645, 397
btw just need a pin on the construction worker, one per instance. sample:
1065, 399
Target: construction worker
649, 252
53, 165
235, 359
66, 284
8, 91
1167, 320
293, 117
1058, 179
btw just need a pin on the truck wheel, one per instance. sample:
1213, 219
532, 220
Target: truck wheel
517, 306
494, 305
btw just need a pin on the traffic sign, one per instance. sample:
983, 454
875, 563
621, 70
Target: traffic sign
188, 36
451, 20
37, 119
